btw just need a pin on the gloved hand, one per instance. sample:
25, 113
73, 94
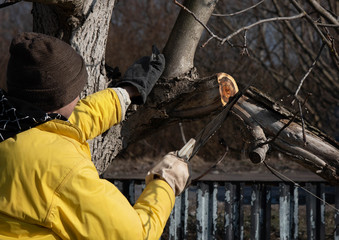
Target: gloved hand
173, 170
143, 74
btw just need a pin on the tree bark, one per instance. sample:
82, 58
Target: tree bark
183, 41
85, 27
319, 153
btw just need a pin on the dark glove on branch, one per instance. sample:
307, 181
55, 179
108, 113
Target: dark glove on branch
143, 74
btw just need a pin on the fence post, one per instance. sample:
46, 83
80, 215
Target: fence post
184, 214
175, 220
336, 214
118, 185
256, 212
321, 212
266, 205
311, 212
128, 189
229, 198
284, 211
234, 216
202, 210
179, 217
295, 212
213, 211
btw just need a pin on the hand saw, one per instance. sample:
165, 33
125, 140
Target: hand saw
194, 144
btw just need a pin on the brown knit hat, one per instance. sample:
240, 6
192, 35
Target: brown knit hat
44, 71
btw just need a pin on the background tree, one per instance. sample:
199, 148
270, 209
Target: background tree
278, 53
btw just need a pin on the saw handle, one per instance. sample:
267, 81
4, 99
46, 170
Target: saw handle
186, 151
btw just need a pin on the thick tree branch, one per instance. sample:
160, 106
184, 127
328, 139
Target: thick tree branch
182, 43
257, 150
320, 154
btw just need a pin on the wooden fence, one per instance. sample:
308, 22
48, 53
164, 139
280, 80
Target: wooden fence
249, 210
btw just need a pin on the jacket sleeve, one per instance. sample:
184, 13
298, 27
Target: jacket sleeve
96, 113
87, 207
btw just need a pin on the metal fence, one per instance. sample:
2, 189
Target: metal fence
249, 210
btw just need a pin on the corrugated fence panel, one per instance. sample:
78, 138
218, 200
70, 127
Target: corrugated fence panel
215, 210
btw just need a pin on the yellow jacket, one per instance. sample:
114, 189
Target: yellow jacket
50, 189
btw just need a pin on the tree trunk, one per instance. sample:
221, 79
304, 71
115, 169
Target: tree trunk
85, 28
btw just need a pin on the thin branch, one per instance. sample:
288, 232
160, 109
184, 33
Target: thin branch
260, 22
236, 13
226, 39
327, 25
308, 51
309, 71
323, 37
211, 167
324, 12
287, 124
245, 49
302, 122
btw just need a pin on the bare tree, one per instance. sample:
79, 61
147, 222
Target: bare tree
85, 24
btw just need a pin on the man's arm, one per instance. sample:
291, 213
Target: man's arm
94, 117
87, 207
98, 112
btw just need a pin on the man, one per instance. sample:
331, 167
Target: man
49, 188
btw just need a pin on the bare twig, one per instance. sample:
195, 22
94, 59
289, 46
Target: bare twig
261, 22
211, 167
314, 25
302, 122
245, 50
239, 12
308, 72
327, 25
307, 51
287, 124
324, 12
226, 39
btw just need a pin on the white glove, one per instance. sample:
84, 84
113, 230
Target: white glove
173, 170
